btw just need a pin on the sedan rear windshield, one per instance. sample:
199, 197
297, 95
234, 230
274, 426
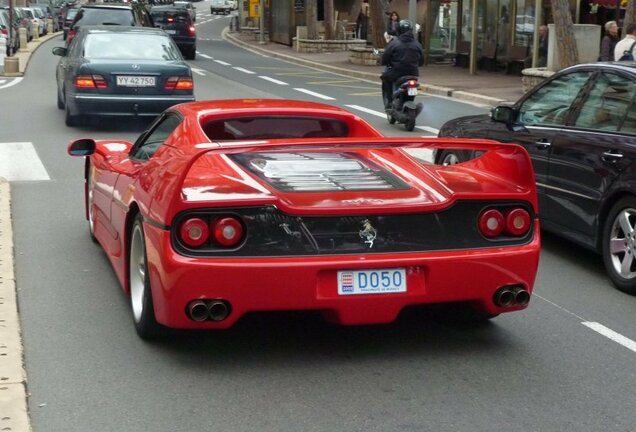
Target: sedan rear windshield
89, 16
130, 46
165, 17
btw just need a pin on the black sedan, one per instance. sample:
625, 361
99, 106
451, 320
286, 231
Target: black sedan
121, 71
580, 130
179, 25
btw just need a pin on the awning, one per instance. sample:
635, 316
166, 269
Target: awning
608, 4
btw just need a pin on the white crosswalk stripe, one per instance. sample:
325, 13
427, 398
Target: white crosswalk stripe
5, 84
20, 162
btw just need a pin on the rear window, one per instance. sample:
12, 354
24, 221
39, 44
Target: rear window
167, 17
122, 46
70, 14
89, 16
274, 127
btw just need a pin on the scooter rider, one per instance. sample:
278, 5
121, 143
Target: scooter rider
402, 56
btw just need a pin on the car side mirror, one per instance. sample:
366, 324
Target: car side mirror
82, 147
502, 114
59, 51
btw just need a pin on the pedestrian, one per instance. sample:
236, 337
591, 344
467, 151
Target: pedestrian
628, 43
543, 46
609, 41
392, 26
402, 56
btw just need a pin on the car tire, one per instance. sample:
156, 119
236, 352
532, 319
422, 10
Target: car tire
70, 120
410, 122
60, 101
619, 244
451, 157
141, 303
191, 53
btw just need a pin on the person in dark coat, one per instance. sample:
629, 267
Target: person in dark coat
402, 56
392, 25
608, 43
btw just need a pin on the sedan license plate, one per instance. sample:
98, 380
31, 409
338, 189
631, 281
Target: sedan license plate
136, 81
412, 91
171, 32
371, 281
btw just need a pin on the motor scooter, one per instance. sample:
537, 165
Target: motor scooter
402, 108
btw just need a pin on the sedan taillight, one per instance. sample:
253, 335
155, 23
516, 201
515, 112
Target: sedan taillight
90, 81
179, 83
192, 31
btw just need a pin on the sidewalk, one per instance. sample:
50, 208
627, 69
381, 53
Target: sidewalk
486, 88
23, 56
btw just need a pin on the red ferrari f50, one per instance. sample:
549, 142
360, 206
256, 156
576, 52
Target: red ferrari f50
221, 208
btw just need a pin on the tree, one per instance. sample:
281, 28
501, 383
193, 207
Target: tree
564, 29
329, 25
378, 10
630, 13
311, 10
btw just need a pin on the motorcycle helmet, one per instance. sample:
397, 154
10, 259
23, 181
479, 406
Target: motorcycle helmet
404, 26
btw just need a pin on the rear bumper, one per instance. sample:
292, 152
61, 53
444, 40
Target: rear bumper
134, 105
310, 283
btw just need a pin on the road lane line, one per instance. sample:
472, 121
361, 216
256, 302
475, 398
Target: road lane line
221, 62
243, 70
275, 81
318, 95
20, 162
205, 56
198, 71
11, 83
428, 129
367, 110
611, 335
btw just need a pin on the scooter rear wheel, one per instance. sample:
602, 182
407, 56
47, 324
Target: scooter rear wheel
390, 118
410, 122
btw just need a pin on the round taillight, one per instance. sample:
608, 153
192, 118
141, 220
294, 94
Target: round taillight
491, 223
228, 231
517, 222
194, 232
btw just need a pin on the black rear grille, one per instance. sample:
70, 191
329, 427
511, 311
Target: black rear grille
318, 172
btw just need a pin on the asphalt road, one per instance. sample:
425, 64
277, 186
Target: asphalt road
564, 364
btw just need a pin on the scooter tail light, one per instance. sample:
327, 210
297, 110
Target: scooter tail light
194, 232
517, 221
412, 83
491, 223
227, 231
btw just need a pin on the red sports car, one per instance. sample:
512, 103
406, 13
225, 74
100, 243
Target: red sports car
226, 207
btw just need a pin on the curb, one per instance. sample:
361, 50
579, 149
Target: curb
13, 395
431, 89
25, 56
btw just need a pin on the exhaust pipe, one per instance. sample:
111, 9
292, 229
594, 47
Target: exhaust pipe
218, 310
197, 310
504, 297
522, 297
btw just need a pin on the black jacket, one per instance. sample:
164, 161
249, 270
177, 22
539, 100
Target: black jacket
404, 55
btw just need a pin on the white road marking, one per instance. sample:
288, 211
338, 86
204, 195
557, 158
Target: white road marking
428, 129
611, 334
367, 110
20, 162
318, 95
221, 62
10, 83
275, 81
205, 55
198, 71
243, 70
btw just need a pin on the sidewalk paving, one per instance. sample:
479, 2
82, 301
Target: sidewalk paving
486, 88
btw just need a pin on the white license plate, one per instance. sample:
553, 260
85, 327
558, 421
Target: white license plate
171, 32
371, 281
136, 81
412, 91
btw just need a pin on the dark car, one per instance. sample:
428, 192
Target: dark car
120, 71
67, 15
122, 14
178, 24
580, 130
188, 7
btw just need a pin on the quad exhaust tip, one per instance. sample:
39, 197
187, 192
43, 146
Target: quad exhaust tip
512, 295
208, 310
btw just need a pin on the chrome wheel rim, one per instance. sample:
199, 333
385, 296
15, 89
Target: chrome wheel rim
450, 159
622, 244
137, 272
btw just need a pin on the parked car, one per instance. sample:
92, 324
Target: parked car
120, 71
220, 6
37, 19
123, 14
179, 25
188, 7
206, 218
23, 21
10, 32
47, 11
579, 127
